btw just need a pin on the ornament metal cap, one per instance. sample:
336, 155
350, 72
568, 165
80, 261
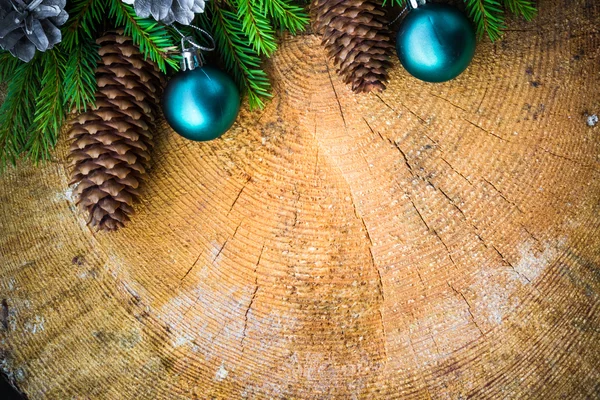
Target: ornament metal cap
416, 3
191, 57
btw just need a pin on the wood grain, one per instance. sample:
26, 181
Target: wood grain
434, 241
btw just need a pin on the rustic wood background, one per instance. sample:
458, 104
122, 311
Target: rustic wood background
433, 241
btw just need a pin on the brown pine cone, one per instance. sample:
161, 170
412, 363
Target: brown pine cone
111, 141
357, 37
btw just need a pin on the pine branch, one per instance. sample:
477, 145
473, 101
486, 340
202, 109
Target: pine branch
80, 78
286, 15
394, 3
153, 38
239, 59
488, 17
49, 110
256, 27
85, 19
17, 112
524, 8
8, 65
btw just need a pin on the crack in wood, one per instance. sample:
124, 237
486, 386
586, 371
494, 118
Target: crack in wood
503, 196
449, 102
4, 314
190, 269
336, 95
237, 197
481, 102
586, 166
418, 212
446, 247
531, 234
451, 201
375, 132
509, 263
253, 296
468, 307
455, 170
420, 277
237, 227
246, 317
220, 250
486, 131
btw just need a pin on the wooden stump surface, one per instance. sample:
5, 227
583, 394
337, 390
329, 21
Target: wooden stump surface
435, 241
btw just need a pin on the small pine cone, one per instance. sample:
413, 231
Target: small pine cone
357, 37
111, 141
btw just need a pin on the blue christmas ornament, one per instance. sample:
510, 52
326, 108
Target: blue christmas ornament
200, 103
435, 42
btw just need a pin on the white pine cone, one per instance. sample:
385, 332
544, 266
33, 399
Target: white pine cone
27, 25
168, 11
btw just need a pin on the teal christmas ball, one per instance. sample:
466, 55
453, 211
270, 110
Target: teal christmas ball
201, 104
435, 42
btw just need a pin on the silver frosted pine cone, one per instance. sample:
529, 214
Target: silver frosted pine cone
27, 25
168, 11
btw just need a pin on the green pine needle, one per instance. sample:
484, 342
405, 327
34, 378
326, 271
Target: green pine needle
488, 17
256, 27
524, 8
85, 19
63, 78
17, 111
153, 38
49, 110
80, 78
394, 3
285, 14
240, 59
8, 65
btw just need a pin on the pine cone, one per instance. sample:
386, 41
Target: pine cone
111, 142
356, 35
27, 25
168, 11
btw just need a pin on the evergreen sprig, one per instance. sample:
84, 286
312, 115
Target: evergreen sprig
256, 26
78, 42
244, 31
16, 113
285, 15
488, 15
154, 39
62, 79
239, 58
49, 111
80, 78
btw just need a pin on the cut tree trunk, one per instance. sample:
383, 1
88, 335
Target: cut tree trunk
432, 241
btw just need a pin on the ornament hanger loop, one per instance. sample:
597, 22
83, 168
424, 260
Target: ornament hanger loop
191, 52
191, 41
410, 5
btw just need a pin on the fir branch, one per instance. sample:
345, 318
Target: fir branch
8, 65
488, 17
524, 8
394, 3
256, 27
85, 20
17, 111
153, 38
239, 59
49, 110
286, 15
80, 78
